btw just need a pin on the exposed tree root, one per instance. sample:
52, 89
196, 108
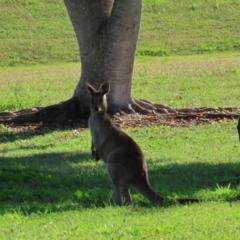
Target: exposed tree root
147, 107
71, 111
63, 112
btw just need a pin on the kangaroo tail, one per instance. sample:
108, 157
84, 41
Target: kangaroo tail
188, 200
144, 188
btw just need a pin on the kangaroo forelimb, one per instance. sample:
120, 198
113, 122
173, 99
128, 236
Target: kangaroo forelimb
95, 154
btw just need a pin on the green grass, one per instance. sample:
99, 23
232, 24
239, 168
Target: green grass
128, 223
189, 27
23, 87
51, 189
189, 81
179, 81
34, 32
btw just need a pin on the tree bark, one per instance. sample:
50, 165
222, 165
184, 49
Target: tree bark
107, 33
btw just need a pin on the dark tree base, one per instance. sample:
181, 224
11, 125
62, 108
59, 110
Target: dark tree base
64, 112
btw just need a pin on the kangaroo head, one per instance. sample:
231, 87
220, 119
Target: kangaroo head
98, 97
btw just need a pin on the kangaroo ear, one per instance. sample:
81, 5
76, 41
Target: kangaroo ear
90, 88
104, 88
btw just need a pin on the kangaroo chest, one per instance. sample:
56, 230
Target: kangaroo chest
98, 131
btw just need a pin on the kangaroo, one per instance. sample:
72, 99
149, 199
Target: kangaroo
238, 128
125, 161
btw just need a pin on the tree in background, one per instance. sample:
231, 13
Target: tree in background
107, 33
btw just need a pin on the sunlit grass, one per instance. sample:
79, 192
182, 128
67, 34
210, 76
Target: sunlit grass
204, 221
34, 32
208, 80
189, 81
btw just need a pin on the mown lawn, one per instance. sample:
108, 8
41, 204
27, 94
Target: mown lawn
179, 81
50, 188
34, 32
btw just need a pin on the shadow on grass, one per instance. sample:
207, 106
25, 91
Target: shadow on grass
11, 136
60, 182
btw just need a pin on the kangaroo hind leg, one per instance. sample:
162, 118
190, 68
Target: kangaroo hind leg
121, 195
126, 195
117, 194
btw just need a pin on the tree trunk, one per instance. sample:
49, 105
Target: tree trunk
107, 33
